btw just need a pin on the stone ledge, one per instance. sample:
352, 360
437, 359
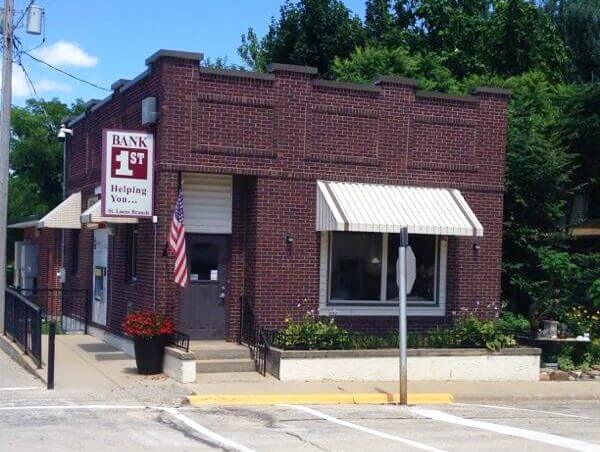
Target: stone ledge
382, 353
179, 354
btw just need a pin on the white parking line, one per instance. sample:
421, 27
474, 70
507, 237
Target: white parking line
532, 435
27, 388
531, 410
215, 437
212, 436
362, 429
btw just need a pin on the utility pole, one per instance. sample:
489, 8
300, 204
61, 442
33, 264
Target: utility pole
5, 143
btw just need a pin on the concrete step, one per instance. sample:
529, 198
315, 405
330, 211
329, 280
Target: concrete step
239, 352
205, 366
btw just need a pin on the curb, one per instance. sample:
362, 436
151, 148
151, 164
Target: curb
317, 399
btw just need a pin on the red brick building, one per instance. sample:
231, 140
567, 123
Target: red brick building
295, 189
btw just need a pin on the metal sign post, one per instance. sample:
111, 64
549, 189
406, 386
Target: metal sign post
405, 277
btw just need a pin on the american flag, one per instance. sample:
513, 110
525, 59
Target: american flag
177, 242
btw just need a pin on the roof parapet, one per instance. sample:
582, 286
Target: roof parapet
279, 67
495, 91
116, 86
165, 53
394, 80
333, 84
446, 96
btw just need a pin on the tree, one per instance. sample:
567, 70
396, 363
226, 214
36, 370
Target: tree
521, 37
579, 24
35, 184
309, 32
378, 19
537, 180
366, 64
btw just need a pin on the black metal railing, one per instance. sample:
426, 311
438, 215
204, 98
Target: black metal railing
180, 341
253, 335
69, 308
23, 324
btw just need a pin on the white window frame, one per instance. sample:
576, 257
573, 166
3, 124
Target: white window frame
384, 307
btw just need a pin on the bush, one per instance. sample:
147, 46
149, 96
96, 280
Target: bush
592, 355
511, 321
313, 333
565, 362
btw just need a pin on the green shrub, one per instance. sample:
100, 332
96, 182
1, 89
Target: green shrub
565, 362
513, 322
592, 355
313, 333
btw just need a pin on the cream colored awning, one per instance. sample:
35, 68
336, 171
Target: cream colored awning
386, 208
94, 215
65, 215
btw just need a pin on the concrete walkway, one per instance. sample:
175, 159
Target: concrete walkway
89, 368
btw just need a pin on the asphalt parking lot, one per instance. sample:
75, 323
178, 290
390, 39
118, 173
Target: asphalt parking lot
61, 426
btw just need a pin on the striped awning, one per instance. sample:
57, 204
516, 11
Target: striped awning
65, 215
387, 208
93, 215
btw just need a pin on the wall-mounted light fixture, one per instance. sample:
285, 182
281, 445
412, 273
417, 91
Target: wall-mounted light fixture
288, 238
476, 246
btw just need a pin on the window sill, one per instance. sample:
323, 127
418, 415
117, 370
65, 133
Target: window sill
387, 311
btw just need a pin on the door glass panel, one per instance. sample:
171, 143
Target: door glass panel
204, 262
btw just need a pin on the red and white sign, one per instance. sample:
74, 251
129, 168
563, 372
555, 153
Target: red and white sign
127, 173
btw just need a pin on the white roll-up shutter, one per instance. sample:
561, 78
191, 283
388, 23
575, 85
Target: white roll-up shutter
207, 203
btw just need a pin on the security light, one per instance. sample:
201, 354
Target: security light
63, 132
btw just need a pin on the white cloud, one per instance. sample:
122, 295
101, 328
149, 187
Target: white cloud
65, 53
50, 85
21, 88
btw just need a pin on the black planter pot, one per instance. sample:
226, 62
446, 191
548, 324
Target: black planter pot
149, 354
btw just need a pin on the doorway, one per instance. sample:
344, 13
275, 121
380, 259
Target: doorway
202, 314
100, 281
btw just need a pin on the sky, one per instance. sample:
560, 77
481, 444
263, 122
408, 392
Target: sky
104, 40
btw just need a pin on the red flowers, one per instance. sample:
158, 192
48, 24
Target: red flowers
147, 324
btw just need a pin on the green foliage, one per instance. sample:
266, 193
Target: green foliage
36, 157
365, 64
308, 32
313, 333
565, 362
580, 133
592, 355
579, 24
521, 37
511, 321
594, 293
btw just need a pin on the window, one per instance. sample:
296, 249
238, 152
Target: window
75, 251
204, 259
356, 266
362, 273
132, 246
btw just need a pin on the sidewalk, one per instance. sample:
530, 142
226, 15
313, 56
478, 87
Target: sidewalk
89, 368
213, 384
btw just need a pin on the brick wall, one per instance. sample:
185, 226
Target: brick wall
277, 134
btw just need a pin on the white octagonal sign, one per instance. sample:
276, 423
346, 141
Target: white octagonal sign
411, 269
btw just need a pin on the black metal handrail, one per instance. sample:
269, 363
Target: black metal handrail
70, 308
253, 335
180, 341
23, 324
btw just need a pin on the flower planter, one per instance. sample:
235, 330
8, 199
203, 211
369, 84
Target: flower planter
149, 354
455, 364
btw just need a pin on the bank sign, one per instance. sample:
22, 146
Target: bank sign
127, 173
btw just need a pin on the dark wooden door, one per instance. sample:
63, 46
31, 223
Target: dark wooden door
202, 313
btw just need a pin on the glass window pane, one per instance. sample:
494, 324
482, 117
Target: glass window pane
424, 247
355, 266
203, 257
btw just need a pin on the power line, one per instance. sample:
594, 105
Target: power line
65, 72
